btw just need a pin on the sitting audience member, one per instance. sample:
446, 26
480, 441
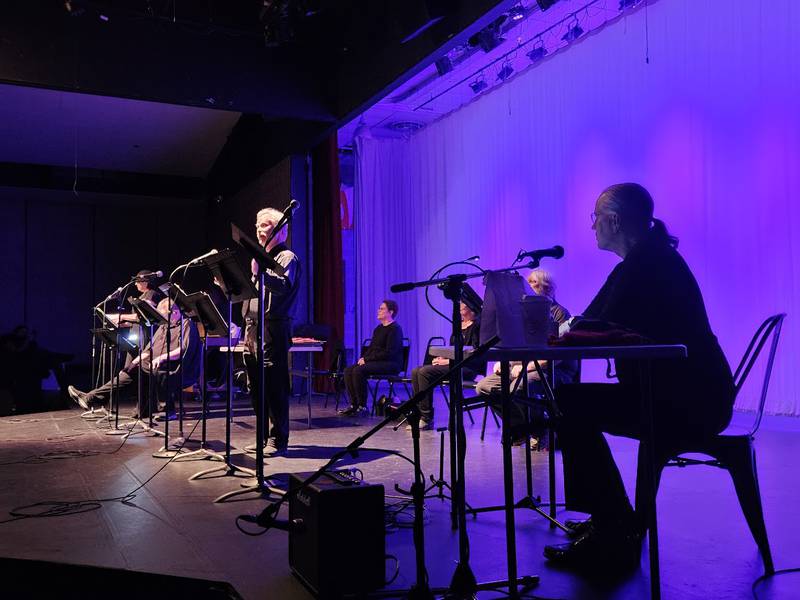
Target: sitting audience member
542, 284
422, 376
383, 356
653, 293
160, 363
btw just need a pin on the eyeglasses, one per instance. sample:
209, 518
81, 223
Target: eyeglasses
595, 215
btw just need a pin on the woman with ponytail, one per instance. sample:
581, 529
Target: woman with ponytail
653, 293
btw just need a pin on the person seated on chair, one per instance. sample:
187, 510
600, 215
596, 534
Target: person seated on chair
653, 293
383, 356
156, 362
542, 284
422, 376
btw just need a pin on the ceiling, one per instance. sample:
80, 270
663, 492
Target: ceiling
429, 96
65, 129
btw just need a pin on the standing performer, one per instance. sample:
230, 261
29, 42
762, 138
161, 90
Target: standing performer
279, 304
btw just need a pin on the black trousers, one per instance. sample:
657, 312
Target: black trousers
355, 379
165, 385
421, 378
277, 341
592, 482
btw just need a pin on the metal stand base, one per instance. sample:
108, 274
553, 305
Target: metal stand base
165, 452
528, 502
200, 454
144, 427
95, 415
263, 491
227, 470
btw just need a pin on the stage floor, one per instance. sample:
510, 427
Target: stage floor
172, 526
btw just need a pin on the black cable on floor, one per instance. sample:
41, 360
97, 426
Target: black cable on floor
766, 576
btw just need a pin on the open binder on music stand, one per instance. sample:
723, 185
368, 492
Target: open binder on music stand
149, 316
255, 251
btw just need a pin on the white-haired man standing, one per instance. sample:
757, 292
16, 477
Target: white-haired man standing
279, 304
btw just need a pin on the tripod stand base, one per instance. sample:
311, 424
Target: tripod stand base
227, 469
95, 415
200, 454
118, 431
166, 452
145, 428
263, 490
528, 502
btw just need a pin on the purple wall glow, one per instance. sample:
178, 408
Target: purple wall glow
710, 126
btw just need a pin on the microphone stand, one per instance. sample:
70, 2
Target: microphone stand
421, 590
463, 583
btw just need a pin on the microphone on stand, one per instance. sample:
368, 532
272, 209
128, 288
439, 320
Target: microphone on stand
554, 252
476, 258
292, 206
211, 252
156, 274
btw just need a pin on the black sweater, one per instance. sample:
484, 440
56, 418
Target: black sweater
386, 345
653, 292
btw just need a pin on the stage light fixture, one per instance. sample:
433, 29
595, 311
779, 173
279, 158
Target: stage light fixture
538, 52
517, 13
478, 85
505, 71
489, 37
573, 33
444, 65
545, 4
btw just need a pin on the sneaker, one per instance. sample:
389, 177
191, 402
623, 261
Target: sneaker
423, 425
251, 448
79, 397
276, 448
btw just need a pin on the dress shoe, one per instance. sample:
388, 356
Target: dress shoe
577, 527
276, 448
354, 411
423, 425
613, 551
79, 397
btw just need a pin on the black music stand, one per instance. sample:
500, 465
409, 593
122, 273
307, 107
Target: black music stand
203, 310
114, 340
265, 262
186, 307
235, 283
148, 317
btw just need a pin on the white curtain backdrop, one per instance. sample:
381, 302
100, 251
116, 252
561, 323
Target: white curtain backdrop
710, 126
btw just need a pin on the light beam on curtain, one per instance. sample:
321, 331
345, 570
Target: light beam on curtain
710, 126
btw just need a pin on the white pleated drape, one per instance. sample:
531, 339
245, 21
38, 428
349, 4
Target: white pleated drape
710, 126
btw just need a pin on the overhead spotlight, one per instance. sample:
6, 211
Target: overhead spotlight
538, 52
573, 33
505, 71
444, 65
478, 85
489, 37
517, 13
545, 4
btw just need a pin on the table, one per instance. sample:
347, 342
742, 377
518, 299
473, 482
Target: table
310, 347
645, 354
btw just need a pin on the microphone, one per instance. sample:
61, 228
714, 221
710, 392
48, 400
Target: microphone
292, 206
211, 252
471, 258
554, 252
402, 287
156, 274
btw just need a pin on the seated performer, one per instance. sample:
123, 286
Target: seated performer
422, 376
155, 361
542, 283
383, 356
652, 292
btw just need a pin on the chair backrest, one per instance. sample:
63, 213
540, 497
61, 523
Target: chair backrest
771, 327
337, 357
433, 342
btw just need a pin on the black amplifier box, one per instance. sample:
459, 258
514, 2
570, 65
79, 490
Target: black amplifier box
337, 543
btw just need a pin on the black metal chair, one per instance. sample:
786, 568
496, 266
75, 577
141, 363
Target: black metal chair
732, 452
390, 378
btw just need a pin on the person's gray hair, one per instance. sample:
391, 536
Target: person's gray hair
546, 280
274, 215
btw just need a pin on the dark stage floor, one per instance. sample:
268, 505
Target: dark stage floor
172, 526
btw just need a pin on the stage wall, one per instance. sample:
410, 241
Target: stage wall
710, 126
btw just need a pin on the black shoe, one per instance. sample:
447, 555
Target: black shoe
350, 410
161, 418
276, 447
577, 527
611, 552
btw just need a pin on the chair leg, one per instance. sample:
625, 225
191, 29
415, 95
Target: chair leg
483, 425
741, 464
471, 419
642, 514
